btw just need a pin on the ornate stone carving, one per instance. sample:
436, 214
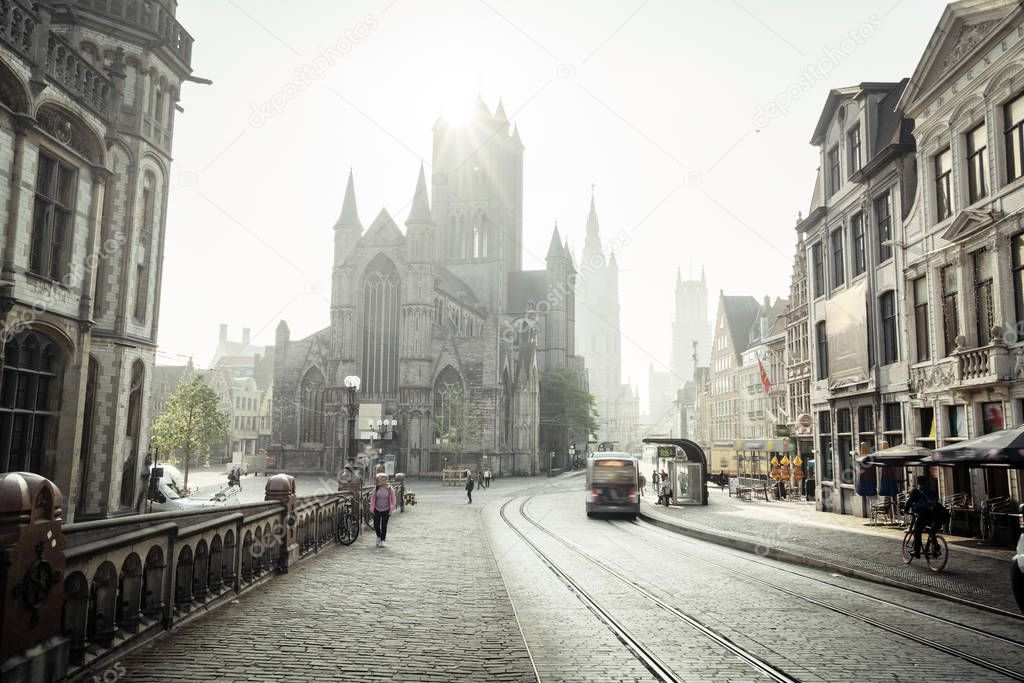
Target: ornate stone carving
967, 38
69, 132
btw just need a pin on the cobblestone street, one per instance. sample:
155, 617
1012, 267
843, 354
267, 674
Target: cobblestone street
471, 592
430, 606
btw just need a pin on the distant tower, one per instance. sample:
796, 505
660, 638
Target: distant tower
691, 326
478, 201
598, 335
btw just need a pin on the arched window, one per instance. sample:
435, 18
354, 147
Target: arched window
311, 411
30, 403
379, 332
133, 427
144, 247
449, 405
478, 248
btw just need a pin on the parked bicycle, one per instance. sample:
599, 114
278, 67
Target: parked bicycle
933, 548
346, 528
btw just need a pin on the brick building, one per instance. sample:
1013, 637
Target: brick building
432, 319
88, 96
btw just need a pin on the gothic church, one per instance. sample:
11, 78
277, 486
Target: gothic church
440, 323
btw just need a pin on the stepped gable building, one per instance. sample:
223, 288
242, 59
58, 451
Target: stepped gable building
88, 97
436, 317
599, 338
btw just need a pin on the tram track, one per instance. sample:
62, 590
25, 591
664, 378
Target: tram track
895, 630
639, 650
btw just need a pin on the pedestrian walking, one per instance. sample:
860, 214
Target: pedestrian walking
487, 479
643, 483
469, 489
666, 491
383, 504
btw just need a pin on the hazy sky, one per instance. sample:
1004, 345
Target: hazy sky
663, 105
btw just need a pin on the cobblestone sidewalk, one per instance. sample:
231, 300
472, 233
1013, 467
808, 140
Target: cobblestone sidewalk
977, 575
431, 606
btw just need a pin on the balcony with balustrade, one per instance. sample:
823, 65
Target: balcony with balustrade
965, 369
147, 16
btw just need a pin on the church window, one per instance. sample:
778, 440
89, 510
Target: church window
29, 403
479, 237
379, 333
448, 405
311, 407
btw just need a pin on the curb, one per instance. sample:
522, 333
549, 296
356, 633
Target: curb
791, 557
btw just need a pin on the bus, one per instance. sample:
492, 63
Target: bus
613, 484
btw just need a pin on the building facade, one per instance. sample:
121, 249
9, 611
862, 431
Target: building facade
964, 251
852, 236
88, 98
447, 333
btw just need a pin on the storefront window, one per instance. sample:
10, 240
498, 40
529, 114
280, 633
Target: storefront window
992, 417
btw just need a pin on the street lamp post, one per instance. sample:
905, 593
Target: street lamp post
352, 385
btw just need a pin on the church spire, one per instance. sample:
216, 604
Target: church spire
555, 249
593, 228
349, 217
499, 113
592, 242
420, 210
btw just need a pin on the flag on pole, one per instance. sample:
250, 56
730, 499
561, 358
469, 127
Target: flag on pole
765, 382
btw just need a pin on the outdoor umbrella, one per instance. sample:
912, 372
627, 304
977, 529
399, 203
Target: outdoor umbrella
897, 455
1003, 448
889, 483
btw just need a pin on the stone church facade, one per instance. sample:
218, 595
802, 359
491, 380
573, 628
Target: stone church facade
446, 331
88, 97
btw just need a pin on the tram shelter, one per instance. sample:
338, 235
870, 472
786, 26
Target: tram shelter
687, 468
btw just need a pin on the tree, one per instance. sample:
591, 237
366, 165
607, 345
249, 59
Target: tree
192, 421
567, 410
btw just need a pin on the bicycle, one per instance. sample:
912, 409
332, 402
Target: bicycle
346, 529
933, 547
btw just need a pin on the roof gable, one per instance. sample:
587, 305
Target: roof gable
383, 232
963, 28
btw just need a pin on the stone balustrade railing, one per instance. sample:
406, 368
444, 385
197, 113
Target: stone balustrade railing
72, 71
84, 593
53, 59
974, 363
17, 27
148, 16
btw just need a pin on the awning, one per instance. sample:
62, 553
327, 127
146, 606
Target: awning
1004, 448
897, 455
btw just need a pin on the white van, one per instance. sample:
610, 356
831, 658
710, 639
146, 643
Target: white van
166, 492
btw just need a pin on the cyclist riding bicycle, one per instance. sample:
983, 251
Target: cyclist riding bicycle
921, 501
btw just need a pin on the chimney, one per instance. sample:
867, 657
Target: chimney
245, 336
223, 332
